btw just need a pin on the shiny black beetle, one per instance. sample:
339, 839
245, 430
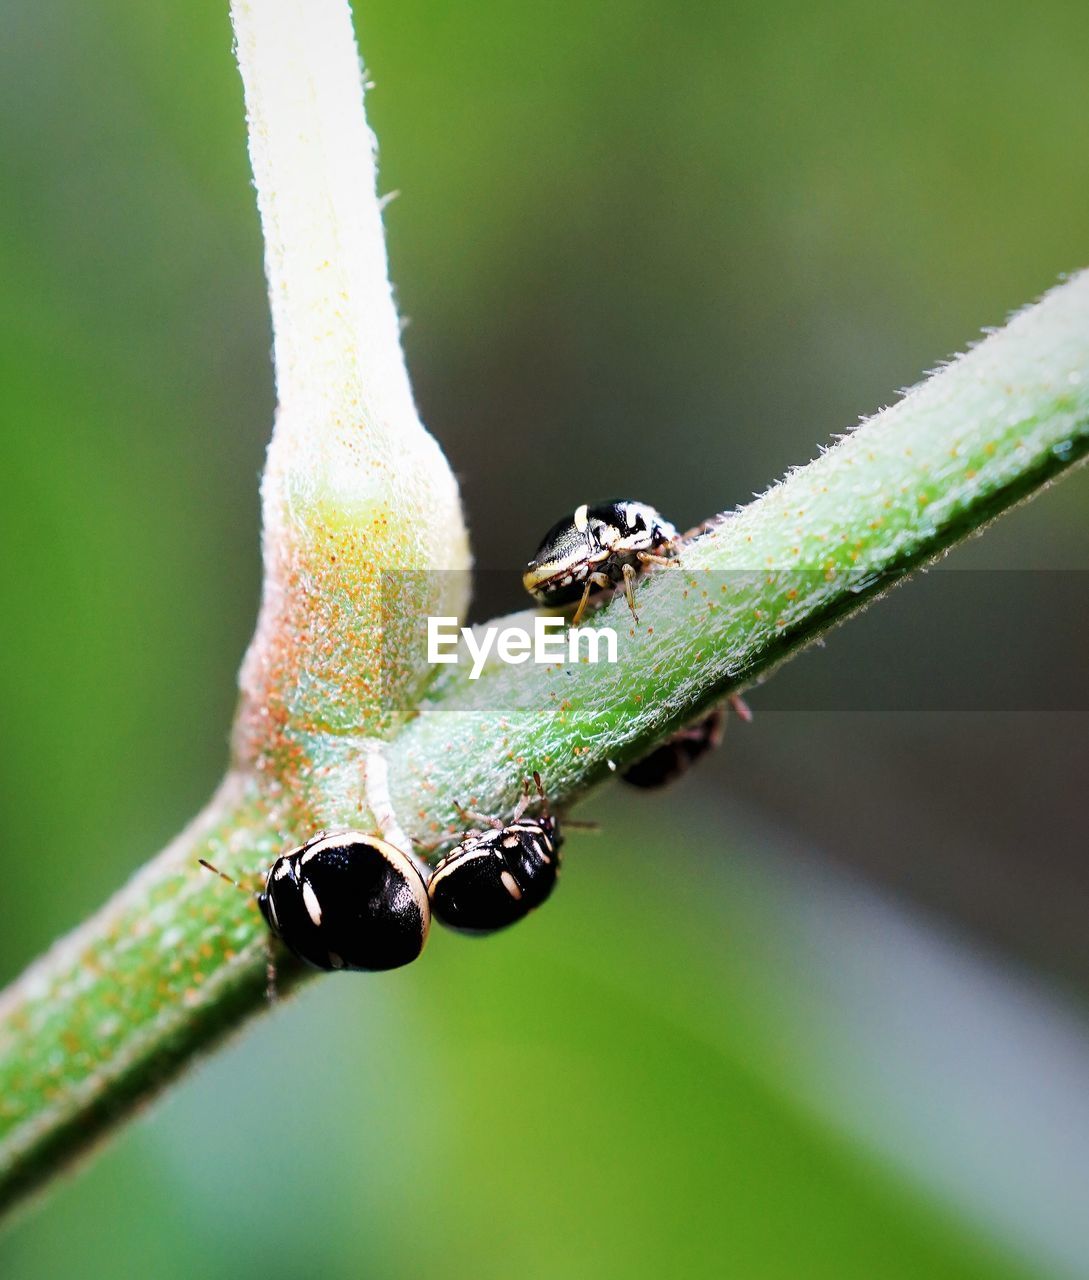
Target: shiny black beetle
679, 753
676, 756
602, 545
346, 900
497, 875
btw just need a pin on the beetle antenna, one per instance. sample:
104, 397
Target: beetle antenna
271, 992
222, 875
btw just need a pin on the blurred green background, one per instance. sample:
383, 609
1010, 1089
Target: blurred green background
820, 1012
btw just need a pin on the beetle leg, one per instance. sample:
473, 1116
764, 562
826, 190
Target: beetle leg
629, 578
599, 580
582, 603
740, 708
471, 815
706, 526
649, 557
271, 993
450, 836
523, 801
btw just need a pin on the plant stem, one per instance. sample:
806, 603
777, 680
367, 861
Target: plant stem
337, 339
356, 494
985, 432
177, 958
113, 1010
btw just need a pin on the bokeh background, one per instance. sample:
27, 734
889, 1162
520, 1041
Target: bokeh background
820, 1011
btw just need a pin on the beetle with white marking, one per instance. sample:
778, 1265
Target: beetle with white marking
345, 900
496, 876
601, 545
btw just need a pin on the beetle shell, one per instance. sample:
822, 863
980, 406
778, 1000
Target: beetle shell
675, 757
347, 900
494, 878
598, 538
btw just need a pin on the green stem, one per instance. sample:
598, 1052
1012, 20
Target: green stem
113, 1010
982, 434
177, 959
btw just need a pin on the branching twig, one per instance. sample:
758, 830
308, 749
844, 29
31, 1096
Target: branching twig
177, 958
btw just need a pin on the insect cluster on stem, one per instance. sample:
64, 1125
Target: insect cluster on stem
353, 900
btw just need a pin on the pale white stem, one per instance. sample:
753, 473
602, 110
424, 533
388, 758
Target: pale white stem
347, 433
356, 495
313, 156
